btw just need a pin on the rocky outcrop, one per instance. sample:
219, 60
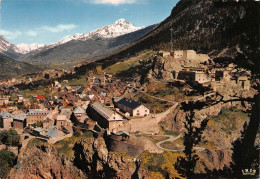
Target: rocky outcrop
93, 158
215, 149
213, 160
163, 67
43, 161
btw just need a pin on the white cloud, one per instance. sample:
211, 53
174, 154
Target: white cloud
10, 34
58, 28
113, 2
123, 10
36, 31
32, 33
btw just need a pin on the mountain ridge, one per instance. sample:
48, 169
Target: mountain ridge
199, 25
95, 44
118, 28
11, 68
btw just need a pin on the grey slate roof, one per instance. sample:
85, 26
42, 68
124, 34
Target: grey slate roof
104, 94
80, 89
46, 120
20, 117
5, 114
53, 132
85, 99
129, 103
79, 110
102, 110
118, 99
122, 132
65, 112
84, 106
38, 129
97, 80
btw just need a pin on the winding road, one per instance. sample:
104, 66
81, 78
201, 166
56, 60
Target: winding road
170, 139
173, 138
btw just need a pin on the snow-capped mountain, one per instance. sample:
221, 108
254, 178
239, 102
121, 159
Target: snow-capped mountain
5, 45
7, 48
74, 49
25, 48
83, 47
120, 27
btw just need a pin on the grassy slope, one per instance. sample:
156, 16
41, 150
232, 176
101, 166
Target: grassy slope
11, 68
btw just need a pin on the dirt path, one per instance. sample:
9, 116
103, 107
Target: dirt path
171, 139
162, 115
24, 145
155, 97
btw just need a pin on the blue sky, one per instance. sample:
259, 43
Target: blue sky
47, 21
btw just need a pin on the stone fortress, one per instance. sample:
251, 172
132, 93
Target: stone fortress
187, 65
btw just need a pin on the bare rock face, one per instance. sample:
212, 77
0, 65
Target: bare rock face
93, 158
215, 148
43, 162
162, 68
213, 159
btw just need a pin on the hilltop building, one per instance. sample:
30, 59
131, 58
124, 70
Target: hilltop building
53, 133
241, 79
97, 79
4, 101
79, 115
19, 121
198, 74
36, 115
191, 55
105, 117
6, 120
79, 111
163, 53
134, 108
63, 123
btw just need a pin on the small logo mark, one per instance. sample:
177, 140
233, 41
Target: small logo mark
248, 172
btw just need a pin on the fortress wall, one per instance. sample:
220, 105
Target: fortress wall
202, 57
178, 54
190, 54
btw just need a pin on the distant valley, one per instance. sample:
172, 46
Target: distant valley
12, 68
78, 48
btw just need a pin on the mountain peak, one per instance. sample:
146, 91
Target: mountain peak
118, 28
5, 45
121, 21
25, 48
